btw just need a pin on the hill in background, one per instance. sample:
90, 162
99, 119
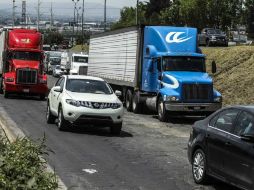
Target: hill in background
235, 73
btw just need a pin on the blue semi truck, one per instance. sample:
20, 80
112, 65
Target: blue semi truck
156, 67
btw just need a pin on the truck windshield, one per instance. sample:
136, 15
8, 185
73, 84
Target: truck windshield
55, 61
80, 59
88, 86
26, 55
194, 64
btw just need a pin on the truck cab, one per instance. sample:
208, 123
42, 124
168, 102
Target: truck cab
174, 69
79, 64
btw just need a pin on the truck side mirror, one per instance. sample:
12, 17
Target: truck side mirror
214, 67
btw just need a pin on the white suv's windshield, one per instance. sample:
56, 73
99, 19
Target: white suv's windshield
88, 86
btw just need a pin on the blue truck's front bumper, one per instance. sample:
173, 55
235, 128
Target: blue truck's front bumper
192, 107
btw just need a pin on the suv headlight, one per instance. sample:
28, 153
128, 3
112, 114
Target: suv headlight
116, 105
73, 102
172, 98
218, 99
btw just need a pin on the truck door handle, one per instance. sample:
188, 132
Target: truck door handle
228, 144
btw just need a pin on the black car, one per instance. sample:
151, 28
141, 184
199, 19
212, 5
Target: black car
222, 146
211, 36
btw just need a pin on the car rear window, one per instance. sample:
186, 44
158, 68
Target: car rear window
88, 86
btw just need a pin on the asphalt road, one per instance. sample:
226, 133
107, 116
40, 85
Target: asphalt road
149, 155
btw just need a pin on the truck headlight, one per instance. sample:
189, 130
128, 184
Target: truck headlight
9, 79
73, 102
218, 99
172, 98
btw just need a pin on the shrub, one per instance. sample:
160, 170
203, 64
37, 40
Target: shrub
22, 166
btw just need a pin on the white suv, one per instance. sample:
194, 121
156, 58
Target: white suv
77, 100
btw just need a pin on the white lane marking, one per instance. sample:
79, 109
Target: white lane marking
90, 171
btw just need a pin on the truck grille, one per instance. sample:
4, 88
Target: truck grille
26, 76
197, 92
82, 70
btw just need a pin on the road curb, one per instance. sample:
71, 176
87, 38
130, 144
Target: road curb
12, 132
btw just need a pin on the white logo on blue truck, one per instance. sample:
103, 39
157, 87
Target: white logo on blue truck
174, 37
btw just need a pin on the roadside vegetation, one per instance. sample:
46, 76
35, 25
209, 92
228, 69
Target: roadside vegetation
234, 77
223, 14
21, 166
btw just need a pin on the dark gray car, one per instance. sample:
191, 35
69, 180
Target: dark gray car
222, 146
212, 37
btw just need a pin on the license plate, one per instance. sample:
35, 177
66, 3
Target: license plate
26, 90
197, 108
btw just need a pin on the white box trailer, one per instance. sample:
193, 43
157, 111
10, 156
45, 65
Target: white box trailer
113, 57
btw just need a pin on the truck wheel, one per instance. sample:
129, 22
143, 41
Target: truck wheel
128, 100
62, 124
1, 85
136, 105
49, 116
115, 129
162, 112
6, 94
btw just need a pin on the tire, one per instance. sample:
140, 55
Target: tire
1, 85
42, 96
199, 167
162, 112
62, 124
116, 129
128, 100
136, 105
49, 116
207, 43
6, 94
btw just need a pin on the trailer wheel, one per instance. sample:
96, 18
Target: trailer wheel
162, 112
136, 105
128, 100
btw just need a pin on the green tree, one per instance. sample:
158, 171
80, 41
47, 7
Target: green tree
53, 37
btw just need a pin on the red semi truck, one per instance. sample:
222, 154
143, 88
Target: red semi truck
21, 63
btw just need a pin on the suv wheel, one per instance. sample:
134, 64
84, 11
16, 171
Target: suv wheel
61, 123
49, 116
115, 129
199, 167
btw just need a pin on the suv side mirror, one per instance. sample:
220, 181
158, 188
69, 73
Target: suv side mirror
58, 89
214, 67
248, 137
118, 93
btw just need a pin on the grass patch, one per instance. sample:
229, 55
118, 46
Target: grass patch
21, 166
79, 48
234, 77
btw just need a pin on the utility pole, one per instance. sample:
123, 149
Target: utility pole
13, 13
51, 17
137, 15
82, 21
105, 15
74, 17
24, 12
38, 14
